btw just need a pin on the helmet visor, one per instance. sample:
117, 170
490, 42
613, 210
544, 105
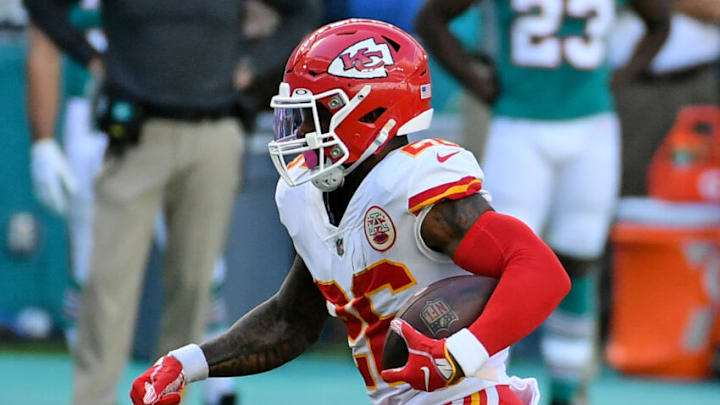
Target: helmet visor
292, 121
303, 126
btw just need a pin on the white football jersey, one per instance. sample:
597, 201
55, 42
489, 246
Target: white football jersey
369, 265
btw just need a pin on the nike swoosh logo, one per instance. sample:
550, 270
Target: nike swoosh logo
442, 159
426, 371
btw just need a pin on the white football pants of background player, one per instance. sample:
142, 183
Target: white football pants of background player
562, 179
85, 150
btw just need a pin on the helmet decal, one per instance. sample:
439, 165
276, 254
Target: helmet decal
425, 91
362, 60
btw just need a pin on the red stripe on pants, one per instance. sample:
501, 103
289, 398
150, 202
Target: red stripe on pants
505, 395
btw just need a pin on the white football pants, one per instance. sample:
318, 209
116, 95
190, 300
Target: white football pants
560, 177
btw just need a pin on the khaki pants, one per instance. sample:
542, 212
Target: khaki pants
191, 170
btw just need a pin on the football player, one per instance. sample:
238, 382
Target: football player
374, 219
553, 153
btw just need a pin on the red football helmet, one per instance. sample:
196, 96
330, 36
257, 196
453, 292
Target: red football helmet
349, 87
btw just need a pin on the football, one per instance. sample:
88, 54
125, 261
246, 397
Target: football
438, 311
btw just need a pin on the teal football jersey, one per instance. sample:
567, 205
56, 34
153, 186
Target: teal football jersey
551, 58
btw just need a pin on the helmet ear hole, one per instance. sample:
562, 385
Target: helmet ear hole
373, 115
392, 43
324, 115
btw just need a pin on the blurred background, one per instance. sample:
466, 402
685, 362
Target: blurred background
660, 283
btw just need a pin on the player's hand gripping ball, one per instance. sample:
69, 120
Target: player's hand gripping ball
429, 366
423, 324
161, 384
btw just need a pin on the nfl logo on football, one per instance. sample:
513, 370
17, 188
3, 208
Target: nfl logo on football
438, 316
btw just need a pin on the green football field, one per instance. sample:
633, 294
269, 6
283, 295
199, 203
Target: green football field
45, 378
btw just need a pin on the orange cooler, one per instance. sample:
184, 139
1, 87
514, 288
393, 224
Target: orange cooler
666, 288
686, 166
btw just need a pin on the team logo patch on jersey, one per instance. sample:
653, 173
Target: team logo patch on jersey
379, 229
363, 60
438, 316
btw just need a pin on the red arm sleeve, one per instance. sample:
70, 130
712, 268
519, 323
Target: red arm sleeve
532, 282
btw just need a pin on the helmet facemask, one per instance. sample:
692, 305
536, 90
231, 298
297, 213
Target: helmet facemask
298, 130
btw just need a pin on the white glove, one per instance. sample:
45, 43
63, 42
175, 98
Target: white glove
53, 180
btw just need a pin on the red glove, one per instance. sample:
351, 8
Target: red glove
429, 367
161, 384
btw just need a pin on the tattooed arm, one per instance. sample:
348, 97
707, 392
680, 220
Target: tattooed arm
273, 333
532, 282
447, 222
270, 335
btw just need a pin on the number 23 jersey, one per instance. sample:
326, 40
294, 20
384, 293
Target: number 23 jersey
369, 265
551, 57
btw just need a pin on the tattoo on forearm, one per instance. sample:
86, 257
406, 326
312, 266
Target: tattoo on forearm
273, 333
257, 342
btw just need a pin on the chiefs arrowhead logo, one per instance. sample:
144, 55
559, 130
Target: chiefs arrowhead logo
379, 229
362, 60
